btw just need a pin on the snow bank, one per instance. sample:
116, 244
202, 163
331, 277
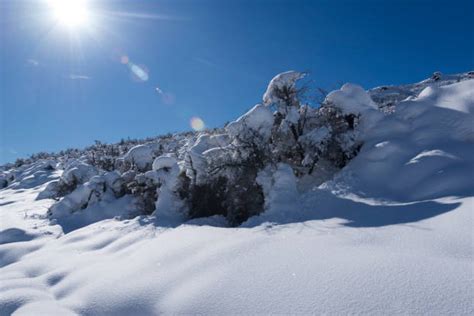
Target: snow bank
421, 151
457, 97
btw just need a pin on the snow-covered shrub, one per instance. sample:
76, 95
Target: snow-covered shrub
165, 162
169, 206
144, 189
78, 173
141, 157
5, 179
221, 178
221, 171
115, 182
75, 174
282, 91
289, 119
255, 125
83, 196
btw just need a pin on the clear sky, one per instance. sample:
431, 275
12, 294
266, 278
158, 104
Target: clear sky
119, 69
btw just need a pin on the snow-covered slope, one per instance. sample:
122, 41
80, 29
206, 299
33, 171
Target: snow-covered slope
390, 233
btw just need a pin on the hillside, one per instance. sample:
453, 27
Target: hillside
360, 205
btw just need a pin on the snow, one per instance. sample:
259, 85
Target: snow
164, 161
169, 208
313, 267
423, 150
257, 120
280, 189
78, 173
391, 233
283, 80
316, 136
431, 153
458, 97
141, 156
351, 99
195, 156
387, 96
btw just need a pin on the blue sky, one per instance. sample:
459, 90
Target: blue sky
65, 87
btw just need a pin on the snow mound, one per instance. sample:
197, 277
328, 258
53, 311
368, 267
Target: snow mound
422, 151
258, 120
165, 161
387, 97
351, 99
78, 173
29, 176
141, 156
457, 97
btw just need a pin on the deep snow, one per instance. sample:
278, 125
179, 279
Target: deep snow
392, 233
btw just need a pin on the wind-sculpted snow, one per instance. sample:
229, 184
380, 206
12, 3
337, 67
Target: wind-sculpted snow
281, 89
455, 97
422, 151
348, 208
387, 97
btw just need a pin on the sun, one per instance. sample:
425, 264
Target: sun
70, 13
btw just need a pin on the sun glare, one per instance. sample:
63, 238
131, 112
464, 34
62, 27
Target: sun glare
71, 13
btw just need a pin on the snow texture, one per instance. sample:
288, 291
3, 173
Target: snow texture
351, 98
258, 120
283, 82
141, 156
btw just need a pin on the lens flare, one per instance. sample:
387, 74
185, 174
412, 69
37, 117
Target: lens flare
138, 72
197, 123
124, 59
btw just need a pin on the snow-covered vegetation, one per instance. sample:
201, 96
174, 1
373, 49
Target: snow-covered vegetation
84, 231
215, 172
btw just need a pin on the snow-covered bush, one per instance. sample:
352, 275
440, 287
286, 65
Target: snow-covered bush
223, 171
282, 91
221, 177
83, 196
75, 174
5, 179
141, 157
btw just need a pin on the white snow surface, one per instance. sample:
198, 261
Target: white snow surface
351, 98
257, 120
458, 97
140, 155
392, 233
164, 161
286, 79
